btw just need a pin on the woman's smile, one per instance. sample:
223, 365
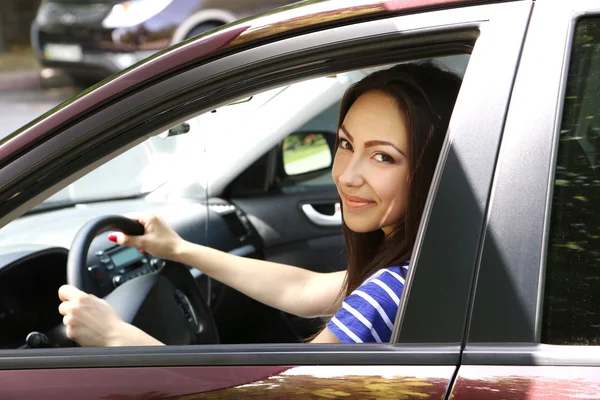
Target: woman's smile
355, 202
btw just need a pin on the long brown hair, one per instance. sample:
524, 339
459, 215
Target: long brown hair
425, 95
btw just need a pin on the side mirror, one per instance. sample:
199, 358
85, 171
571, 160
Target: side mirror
307, 152
179, 129
176, 130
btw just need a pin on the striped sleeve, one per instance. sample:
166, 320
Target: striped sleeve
368, 314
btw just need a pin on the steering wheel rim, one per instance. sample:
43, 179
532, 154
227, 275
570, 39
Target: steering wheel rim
77, 259
152, 302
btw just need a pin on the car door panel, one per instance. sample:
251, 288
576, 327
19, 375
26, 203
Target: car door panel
290, 236
230, 382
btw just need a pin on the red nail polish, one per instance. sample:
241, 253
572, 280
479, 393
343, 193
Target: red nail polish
112, 238
143, 251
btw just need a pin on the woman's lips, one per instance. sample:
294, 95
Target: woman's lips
355, 202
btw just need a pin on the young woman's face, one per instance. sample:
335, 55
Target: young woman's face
371, 167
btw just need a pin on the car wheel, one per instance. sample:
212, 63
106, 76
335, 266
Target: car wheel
202, 28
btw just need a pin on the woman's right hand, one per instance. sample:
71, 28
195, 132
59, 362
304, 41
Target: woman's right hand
158, 238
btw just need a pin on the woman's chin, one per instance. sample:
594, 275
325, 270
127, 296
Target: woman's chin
361, 228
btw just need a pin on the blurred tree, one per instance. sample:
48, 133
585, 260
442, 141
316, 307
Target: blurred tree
3, 47
15, 22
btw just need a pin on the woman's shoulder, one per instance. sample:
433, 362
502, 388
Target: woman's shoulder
395, 274
368, 313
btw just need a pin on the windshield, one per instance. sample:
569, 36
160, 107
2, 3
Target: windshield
164, 157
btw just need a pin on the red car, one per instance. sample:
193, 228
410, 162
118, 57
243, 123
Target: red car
502, 299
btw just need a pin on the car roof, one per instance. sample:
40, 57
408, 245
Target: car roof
284, 21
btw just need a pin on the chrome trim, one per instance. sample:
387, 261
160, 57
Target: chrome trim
322, 219
515, 354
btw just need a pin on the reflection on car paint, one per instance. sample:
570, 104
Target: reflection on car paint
526, 382
237, 382
348, 382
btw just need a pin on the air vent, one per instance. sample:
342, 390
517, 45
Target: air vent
235, 225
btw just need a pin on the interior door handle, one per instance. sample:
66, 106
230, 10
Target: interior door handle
323, 219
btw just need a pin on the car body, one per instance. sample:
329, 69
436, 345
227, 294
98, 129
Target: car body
499, 302
92, 40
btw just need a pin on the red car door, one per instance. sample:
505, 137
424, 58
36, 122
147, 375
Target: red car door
422, 359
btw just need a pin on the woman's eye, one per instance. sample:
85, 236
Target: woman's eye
344, 144
383, 158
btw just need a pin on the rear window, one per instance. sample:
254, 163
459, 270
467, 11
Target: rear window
572, 287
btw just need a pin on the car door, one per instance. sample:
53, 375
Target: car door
424, 354
535, 319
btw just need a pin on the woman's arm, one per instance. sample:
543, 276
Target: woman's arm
326, 336
291, 289
91, 321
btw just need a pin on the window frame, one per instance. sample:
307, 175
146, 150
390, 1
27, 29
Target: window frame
512, 262
501, 30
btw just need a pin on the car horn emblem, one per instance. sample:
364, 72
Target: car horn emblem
68, 18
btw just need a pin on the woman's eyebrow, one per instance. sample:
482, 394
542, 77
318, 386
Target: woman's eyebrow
372, 143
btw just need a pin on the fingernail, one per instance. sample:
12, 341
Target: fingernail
112, 238
143, 251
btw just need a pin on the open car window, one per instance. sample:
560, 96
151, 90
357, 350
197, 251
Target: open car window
192, 154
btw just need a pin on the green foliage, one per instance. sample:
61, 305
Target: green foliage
573, 267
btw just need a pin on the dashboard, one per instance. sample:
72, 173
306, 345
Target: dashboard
30, 274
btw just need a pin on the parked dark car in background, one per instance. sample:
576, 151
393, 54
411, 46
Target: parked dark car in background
91, 40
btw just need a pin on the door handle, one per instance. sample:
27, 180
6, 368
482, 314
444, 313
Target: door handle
323, 219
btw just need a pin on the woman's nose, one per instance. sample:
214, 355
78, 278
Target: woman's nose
352, 175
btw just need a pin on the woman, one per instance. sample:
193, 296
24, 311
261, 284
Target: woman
392, 126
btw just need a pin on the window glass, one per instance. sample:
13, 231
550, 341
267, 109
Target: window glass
572, 286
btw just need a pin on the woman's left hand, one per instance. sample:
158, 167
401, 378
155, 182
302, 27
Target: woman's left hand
90, 321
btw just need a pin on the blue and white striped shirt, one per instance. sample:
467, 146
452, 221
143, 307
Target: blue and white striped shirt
368, 314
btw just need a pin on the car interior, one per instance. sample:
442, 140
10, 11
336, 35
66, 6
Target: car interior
252, 178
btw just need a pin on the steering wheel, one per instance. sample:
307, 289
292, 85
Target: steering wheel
167, 304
